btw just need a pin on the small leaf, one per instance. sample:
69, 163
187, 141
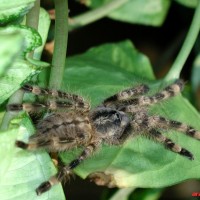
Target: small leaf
12, 10
138, 11
38, 64
11, 45
20, 71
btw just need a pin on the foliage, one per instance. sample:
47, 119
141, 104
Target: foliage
95, 74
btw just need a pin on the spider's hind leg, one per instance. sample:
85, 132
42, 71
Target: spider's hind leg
34, 143
169, 144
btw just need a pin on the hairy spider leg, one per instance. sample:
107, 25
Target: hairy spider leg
65, 171
42, 141
126, 94
77, 100
140, 126
168, 92
163, 123
169, 144
52, 105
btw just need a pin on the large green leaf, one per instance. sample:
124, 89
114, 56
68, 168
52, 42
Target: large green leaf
12, 10
26, 171
137, 11
105, 70
139, 162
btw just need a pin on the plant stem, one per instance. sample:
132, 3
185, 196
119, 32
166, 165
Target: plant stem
17, 97
174, 72
60, 47
95, 14
32, 18
122, 194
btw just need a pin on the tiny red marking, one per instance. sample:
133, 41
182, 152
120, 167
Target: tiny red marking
196, 194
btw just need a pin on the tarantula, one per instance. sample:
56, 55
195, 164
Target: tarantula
71, 123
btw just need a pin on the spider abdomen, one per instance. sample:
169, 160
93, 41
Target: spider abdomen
61, 131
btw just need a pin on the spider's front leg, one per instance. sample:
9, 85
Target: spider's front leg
126, 94
172, 90
163, 123
65, 171
59, 100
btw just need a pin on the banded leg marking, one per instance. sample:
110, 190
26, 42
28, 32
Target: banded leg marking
161, 122
169, 144
166, 93
51, 105
128, 93
65, 171
34, 144
57, 94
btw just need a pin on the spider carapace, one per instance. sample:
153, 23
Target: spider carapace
71, 123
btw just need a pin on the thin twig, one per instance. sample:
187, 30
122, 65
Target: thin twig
95, 14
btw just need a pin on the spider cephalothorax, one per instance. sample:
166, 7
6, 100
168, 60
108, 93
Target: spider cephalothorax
71, 123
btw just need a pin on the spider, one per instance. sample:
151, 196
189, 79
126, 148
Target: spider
71, 123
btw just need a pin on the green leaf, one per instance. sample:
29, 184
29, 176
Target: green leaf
7, 140
32, 38
11, 45
121, 62
188, 3
97, 74
20, 71
138, 11
139, 162
27, 171
12, 10
38, 64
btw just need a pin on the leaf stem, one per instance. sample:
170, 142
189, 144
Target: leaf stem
60, 47
17, 97
122, 194
95, 14
189, 42
32, 18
